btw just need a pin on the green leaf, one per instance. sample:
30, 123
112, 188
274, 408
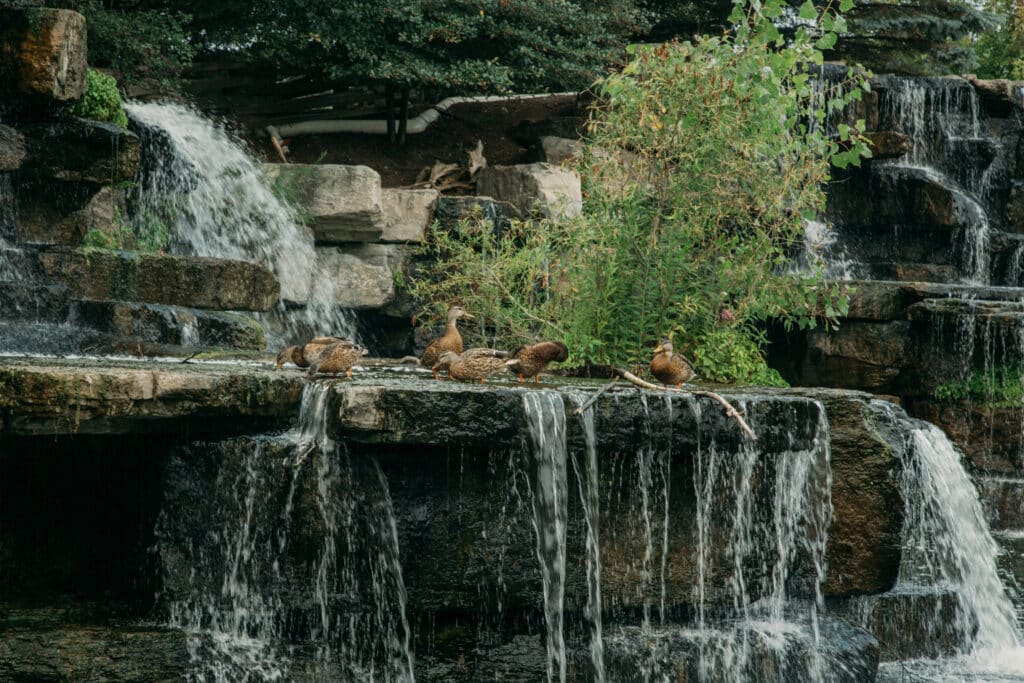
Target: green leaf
808, 11
845, 5
826, 42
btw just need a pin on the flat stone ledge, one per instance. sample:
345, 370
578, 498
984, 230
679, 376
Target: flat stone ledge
191, 281
52, 397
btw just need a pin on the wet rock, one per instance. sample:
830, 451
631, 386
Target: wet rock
1010, 562
93, 653
363, 275
908, 623
1015, 207
762, 652
551, 191
81, 150
29, 302
527, 133
54, 212
899, 196
171, 325
451, 211
49, 60
12, 149
858, 355
343, 201
198, 282
999, 96
407, 214
887, 144
82, 397
1003, 499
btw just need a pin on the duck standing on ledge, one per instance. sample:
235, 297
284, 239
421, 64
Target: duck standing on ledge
338, 357
304, 355
451, 340
670, 368
530, 361
474, 364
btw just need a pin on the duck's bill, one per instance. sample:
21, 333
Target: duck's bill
659, 349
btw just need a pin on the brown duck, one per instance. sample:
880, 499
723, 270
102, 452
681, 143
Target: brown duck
303, 355
530, 361
670, 368
451, 340
473, 364
338, 357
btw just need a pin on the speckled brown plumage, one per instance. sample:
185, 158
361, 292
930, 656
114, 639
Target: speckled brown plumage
670, 368
530, 361
473, 364
304, 355
451, 340
338, 357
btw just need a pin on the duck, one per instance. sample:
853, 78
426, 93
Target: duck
338, 357
303, 355
451, 340
530, 361
670, 368
473, 364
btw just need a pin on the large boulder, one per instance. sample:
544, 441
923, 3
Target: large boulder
52, 212
407, 214
344, 202
551, 191
43, 53
555, 150
363, 275
193, 281
12, 149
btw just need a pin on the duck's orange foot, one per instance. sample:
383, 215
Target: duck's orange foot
349, 373
536, 379
481, 380
521, 379
435, 374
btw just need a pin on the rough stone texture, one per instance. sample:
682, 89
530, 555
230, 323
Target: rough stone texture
344, 201
1003, 498
1015, 208
858, 355
999, 96
887, 144
555, 150
93, 653
81, 150
12, 149
53, 213
407, 214
551, 191
43, 53
198, 282
89, 397
364, 275
170, 325
34, 302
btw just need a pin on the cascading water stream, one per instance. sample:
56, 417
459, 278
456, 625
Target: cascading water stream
215, 201
947, 545
545, 418
587, 479
256, 611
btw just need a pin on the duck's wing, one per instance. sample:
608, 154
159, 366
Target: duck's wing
484, 353
323, 341
549, 351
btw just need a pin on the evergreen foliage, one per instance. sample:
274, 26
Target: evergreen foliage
704, 161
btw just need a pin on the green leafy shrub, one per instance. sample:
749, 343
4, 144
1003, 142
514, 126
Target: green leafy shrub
146, 233
997, 387
102, 100
703, 163
1001, 51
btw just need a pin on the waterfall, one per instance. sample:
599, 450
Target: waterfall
212, 197
545, 418
285, 564
947, 545
589, 490
7, 264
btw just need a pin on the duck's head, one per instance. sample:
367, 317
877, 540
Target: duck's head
446, 359
664, 347
456, 312
287, 354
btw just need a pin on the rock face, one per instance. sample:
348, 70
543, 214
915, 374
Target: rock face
451, 211
62, 213
343, 201
551, 191
43, 53
407, 214
81, 150
198, 282
12, 149
364, 275
556, 150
